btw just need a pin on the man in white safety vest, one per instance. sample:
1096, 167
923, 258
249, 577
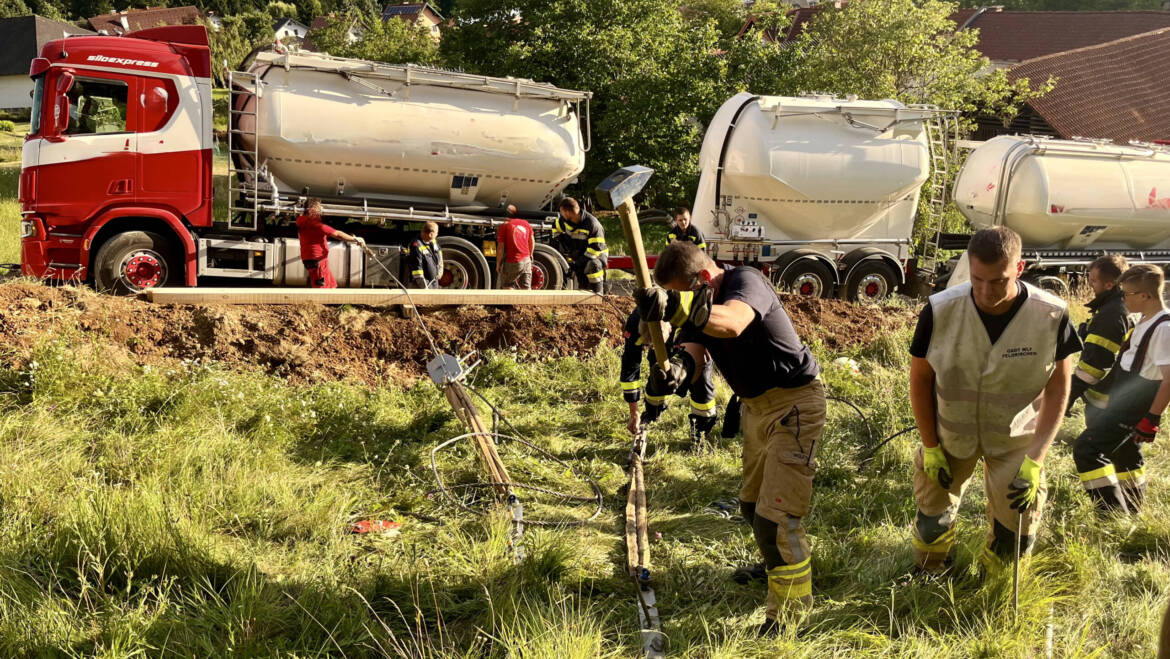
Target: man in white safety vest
989, 378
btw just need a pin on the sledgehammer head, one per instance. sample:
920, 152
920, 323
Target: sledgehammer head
622, 185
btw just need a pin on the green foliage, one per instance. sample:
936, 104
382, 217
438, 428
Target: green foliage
278, 9
907, 50
7, 125
237, 37
12, 8
728, 15
395, 41
657, 77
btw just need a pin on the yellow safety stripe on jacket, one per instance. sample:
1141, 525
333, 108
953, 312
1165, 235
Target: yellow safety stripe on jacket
595, 276
596, 239
942, 544
631, 386
1097, 339
416, 273
1104, 472
1136, 474
1097, 395
1091, 370
655, 400
702, 245
685, 298
596, 252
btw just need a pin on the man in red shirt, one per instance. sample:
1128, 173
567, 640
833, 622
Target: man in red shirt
314, 235
514, 245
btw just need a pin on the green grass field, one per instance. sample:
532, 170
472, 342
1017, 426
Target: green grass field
196, 512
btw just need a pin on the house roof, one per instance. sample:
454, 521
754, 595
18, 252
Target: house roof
24, 36
1014, 36
410, 10
1115, 90
132, 20
276, 27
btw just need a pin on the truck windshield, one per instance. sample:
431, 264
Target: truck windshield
38, 97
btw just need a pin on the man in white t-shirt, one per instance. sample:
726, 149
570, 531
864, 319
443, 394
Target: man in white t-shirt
1109, 453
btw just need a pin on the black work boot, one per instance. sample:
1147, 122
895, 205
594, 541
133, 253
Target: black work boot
746, 574
769, 629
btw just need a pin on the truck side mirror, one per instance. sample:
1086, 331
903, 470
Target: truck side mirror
61, 104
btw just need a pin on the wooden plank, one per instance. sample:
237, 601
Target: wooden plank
633, 233
368, 296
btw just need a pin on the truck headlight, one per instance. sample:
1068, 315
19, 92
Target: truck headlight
27, 228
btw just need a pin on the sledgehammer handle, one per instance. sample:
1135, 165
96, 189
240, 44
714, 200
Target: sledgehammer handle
641, 270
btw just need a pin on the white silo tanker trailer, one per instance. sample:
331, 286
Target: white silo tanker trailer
1070, 200
387, 147
819, 192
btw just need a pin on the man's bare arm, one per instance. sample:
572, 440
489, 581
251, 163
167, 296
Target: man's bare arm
729, 320
1052, 404
922, 400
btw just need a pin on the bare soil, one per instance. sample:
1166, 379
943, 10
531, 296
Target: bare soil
312, 343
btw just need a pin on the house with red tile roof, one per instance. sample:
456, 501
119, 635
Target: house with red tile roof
1115, 90
132, 20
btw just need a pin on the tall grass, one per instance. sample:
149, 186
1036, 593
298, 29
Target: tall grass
9, 212
191, 511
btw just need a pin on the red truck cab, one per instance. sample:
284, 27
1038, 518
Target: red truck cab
116, 168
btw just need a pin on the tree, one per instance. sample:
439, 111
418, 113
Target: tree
278, 9
657, 77
237, 37
903, 49
728, 15
13, 8
395, 41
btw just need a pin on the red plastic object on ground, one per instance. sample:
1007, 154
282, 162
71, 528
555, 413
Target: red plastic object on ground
375, 526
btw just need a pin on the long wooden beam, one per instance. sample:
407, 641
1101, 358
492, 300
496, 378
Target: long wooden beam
368, 296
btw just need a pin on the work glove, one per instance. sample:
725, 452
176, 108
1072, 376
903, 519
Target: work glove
651, 413
1147, 429
676, 307
1026, 485
934, 463
676, 374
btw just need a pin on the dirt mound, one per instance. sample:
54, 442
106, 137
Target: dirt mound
306, 343
840, 324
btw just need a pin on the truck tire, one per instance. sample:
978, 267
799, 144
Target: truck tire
549, 269
1054, 285
134, 260
806, 278
871, 281
464, 265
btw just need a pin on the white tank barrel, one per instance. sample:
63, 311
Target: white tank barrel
349, 128
812, 168
1069, 194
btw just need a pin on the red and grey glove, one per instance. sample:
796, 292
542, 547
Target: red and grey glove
676, 307
1147, 429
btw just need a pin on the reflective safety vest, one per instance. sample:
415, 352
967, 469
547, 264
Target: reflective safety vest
987, 396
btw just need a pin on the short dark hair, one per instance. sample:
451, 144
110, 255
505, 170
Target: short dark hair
995, 245
1110, 266
680, 261
1145, 277
570, 204
682, 210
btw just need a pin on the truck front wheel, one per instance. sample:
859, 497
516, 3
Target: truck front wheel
132, 261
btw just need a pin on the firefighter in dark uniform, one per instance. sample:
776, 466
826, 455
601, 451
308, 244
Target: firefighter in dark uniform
1103, 334
1108, 453
581, 239
682, 229
702, 392
424, 259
